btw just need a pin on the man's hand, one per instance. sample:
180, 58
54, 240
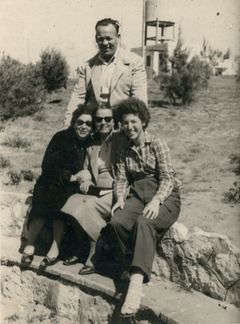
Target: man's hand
119, 204
151, 210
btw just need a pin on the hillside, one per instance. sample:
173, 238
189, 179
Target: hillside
201, 137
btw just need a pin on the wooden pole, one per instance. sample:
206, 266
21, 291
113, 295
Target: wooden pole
144, 33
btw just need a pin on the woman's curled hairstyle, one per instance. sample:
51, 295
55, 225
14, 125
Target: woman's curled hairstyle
88, 109
133, 106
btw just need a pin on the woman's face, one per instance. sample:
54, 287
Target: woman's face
104, 121
83, 126
133, 127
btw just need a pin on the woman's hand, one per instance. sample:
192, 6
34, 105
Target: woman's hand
119, 204
151, 210
84, 186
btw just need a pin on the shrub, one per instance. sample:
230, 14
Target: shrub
235, 159
14, 178
27, 175
187, 76
54, 69
21, 89
4, 162
17, 142
233, 194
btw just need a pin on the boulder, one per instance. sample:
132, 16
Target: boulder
207, 262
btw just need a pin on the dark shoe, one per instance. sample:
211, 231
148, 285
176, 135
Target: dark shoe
46, 262
86, 270
125, 276
71, 260
129, 318
26, 259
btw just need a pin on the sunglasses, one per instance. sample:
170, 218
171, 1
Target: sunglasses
82, 122
107, 119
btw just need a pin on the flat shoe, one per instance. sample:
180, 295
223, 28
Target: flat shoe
86, 270
129, 318
125, 276
46, 262
71, 260
26, 259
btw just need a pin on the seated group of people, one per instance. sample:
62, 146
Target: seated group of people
107, 174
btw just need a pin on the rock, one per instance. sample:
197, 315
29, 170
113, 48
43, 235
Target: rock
233, 296
48, 301
207, 262
178, 232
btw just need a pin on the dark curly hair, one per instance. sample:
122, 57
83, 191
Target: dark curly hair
88, 109
133, 106
108, 21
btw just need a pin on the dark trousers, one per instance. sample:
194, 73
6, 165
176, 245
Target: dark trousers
136, 233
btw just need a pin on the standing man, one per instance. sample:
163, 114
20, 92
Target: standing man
114, 74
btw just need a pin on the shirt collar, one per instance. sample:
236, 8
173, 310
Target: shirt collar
146, 140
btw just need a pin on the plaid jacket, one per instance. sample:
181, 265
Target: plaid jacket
152, 158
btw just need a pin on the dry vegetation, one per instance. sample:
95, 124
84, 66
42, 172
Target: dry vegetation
201, 137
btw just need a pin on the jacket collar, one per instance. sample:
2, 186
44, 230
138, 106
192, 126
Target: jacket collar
147, 139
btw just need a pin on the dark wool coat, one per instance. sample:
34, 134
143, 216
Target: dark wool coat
64, 157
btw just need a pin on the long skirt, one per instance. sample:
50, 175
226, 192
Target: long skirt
91, 212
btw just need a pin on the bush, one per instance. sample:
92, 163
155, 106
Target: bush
187, 76
233, 194
14, 178
27, 175
235, 159
17, 142
4, 162
54, 69
21, 89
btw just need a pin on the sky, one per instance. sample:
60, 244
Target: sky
29, 26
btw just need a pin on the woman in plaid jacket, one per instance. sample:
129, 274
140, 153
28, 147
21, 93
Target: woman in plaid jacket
147, 197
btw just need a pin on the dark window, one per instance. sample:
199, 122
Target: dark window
148, 60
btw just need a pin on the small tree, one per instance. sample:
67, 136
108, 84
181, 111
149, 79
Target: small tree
54, 69
186, 76
21, 89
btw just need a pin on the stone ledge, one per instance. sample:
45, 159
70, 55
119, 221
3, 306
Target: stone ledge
165, 301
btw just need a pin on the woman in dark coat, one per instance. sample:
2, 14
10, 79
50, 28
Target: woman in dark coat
60, 178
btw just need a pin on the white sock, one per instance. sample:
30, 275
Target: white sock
134, 294
29, 249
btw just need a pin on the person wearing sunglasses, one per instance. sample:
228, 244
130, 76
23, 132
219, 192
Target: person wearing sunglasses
93, 209
112, 75
61, 177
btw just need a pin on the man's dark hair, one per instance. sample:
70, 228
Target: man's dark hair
108, 21
88, 109
133, 106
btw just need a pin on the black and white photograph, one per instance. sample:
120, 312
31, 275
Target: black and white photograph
120, 161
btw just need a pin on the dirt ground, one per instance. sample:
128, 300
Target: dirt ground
201, 137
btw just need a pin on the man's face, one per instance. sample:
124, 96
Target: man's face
107, 40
